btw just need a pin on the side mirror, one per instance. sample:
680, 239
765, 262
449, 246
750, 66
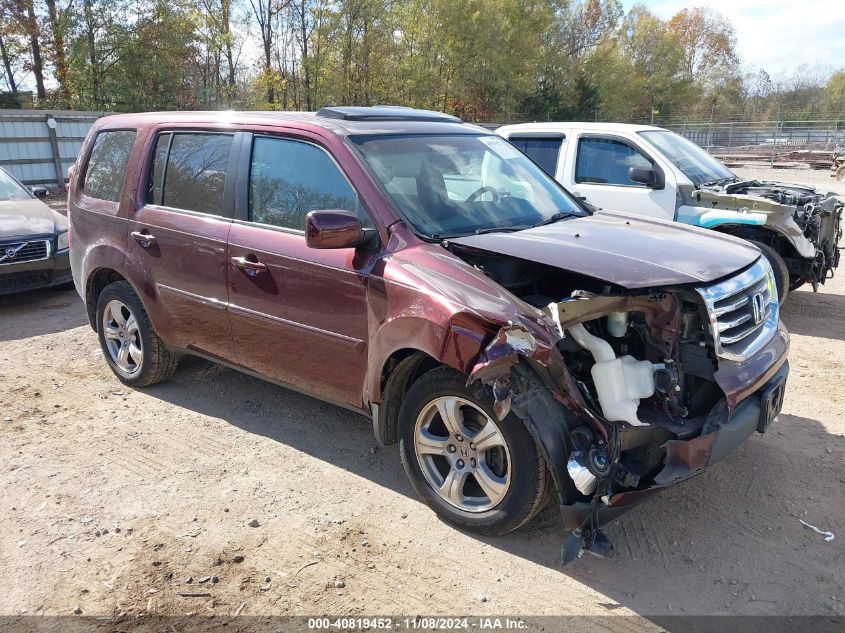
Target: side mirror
39, 192
643, 175
335, 229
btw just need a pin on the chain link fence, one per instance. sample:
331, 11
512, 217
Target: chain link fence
782, 142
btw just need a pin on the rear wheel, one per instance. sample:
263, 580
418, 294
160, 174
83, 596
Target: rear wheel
476, 472
779, 269
133, 350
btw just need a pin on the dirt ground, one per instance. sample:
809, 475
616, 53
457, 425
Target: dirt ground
119, 502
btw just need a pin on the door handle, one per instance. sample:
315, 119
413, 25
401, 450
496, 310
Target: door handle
251, 268
143, 238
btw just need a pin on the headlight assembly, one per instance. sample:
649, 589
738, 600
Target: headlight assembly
62, 242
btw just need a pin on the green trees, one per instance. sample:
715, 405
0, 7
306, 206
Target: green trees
494, 60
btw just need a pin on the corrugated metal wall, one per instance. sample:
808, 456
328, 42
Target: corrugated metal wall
31, 151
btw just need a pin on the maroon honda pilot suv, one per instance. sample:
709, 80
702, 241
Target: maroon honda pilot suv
516, 344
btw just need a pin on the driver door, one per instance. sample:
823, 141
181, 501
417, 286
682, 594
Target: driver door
599, 172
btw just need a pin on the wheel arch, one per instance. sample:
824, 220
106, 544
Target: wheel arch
765, 234
410, 346
401, 369
96, 281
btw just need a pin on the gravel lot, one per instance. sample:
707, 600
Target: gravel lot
114, 501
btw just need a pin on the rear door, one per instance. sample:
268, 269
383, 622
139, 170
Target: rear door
544, 148
597, 169
299, 315
178, 238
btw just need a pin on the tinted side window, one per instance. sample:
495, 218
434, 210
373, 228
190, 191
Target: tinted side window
543, 151
194, 169
607, 161
287, 179
107, 165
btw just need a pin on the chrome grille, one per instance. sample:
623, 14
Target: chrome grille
17, 252
743, 311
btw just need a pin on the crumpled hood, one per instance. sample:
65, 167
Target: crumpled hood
628, 251
21, 218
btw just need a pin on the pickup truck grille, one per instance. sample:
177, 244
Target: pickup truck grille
17, 252
743, 311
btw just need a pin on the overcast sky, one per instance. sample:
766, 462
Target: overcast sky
777, 35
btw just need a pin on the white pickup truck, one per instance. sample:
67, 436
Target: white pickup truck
651, 171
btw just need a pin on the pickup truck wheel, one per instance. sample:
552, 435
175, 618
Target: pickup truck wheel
779, 269
133, 350
476, 472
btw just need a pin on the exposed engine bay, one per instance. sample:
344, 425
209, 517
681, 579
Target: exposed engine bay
640, 368
645, 359
809, 219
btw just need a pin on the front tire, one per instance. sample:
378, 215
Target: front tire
133, 350
779, 269
476, 472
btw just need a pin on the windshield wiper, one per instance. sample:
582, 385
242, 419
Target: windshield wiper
501, 229
557, 217
719, 181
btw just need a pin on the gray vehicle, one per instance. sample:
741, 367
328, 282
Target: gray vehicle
33, 240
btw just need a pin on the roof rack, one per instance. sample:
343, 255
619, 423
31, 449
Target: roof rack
384, 113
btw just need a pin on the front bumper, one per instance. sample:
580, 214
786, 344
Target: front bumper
688, 458
43, 273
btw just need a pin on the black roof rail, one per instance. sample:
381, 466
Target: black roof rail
384, 113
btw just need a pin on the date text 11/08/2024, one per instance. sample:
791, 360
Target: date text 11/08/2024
417, 623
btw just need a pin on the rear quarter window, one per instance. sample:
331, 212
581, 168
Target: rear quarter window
543, 151
107, 164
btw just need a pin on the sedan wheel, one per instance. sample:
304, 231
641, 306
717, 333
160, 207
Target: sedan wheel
462, 454
122, 337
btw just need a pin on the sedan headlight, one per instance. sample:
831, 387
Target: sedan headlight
62, 242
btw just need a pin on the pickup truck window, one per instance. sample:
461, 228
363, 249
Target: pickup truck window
288, 178
188, 171
607, 161
104, 176
460, 184
696, 164
543, 151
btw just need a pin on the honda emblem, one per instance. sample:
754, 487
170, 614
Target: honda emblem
758, 307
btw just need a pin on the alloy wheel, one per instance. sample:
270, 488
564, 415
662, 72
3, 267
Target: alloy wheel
462, 453
122, 337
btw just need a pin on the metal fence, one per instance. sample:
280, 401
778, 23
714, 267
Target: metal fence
810, 142
38, 146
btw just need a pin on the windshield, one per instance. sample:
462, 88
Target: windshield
10, 189
694, 162
452, 185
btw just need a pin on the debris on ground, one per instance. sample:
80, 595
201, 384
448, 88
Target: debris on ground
828, 536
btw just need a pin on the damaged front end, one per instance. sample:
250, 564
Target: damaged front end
629, 392
808, 219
